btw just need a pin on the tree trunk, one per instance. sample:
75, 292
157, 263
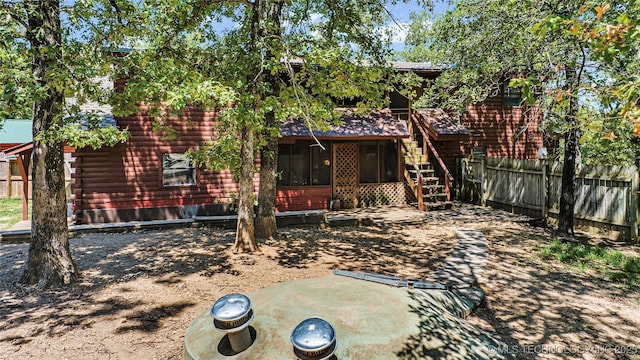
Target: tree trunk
266, 218
50, 262
245, 240
245, 231
567, 199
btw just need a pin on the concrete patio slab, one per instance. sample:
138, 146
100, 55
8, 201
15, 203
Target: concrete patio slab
372, 321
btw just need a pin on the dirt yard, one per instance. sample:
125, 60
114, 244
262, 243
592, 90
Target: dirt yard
140, 290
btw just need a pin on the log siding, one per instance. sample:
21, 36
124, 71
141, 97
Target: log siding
124, 183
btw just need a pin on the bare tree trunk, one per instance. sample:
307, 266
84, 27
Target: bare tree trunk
266, 218
245, 231
245, 240
567, 198
50, 262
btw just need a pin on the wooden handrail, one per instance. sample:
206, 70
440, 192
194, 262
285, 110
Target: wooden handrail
421, 206
448, 178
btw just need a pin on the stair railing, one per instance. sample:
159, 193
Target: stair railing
417, 188
448, 178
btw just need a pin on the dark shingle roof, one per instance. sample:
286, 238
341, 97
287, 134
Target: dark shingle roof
441, 123
380, 123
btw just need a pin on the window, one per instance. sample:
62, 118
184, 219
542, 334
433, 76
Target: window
320, 166
398, 101
284, 165
348, 102
301, 164
479, 151
388, 161
177, 170
378, 161
511, 96
368, 162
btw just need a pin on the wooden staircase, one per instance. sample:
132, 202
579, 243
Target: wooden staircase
422, 180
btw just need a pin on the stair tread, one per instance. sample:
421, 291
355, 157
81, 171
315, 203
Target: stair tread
432, 192
430, 178
421, 170
440, 205
434, 195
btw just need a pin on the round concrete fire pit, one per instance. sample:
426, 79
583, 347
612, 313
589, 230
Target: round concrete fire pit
371, 321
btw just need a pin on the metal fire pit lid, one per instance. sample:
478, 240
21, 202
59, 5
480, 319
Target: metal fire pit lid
313, 334
231, 307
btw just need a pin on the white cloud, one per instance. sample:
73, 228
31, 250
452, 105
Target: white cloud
315, 17
397, 31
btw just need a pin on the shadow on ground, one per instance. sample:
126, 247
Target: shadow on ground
542, 309
539, 308
380, 249
165, 257
119, 267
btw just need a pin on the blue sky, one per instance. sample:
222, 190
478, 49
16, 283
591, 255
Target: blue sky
401, 12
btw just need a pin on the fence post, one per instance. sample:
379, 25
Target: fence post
634, 205
545, 189
7, 166
483, 182
460, 184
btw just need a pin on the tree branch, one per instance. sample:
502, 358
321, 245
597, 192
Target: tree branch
584, 60
389, 14
8, 6
115, 6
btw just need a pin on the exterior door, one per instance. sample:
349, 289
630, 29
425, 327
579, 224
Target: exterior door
345, 174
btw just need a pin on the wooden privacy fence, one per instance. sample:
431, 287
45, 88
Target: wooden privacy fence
11, 181
606, 196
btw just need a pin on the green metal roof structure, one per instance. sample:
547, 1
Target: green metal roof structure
15, 131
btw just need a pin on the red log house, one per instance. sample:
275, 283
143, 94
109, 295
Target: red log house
397, 155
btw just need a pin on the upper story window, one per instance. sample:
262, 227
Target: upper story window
177, 170
511, 96
398, 101
348, 102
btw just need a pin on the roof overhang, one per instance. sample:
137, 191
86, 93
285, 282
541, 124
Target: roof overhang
382, 124
26, 148
441, 126
19, 149
418, 68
